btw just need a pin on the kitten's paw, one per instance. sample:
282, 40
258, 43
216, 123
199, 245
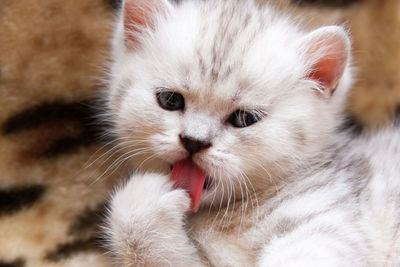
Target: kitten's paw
148, 200
149, 194
146, 217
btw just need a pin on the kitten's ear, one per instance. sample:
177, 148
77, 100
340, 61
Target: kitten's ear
139, 16
328, 49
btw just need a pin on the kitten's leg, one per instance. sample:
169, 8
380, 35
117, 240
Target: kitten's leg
330, 239
146, 224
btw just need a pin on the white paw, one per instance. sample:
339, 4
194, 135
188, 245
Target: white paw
147, 201
146, 224
149, 193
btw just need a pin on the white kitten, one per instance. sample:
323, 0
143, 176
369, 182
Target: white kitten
244, 105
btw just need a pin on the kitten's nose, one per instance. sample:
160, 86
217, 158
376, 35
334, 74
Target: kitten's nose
192, 145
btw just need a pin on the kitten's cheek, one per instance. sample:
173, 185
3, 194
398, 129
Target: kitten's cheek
172, 157
167, 150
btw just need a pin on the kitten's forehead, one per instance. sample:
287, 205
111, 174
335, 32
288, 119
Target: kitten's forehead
225, 35
221, 50
234, 45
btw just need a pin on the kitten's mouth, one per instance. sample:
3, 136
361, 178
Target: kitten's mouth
187, 175
207, 183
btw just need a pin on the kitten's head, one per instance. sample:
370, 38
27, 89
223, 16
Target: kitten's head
233, 85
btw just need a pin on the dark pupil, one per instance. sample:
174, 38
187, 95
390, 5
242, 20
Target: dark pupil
246, 118
243, 118
170, 100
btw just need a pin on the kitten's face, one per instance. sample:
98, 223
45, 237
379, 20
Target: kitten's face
232, 79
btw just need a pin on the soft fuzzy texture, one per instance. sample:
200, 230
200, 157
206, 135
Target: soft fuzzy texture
243, 94
50, 53
217, 77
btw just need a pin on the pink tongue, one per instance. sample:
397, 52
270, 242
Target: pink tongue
188, 176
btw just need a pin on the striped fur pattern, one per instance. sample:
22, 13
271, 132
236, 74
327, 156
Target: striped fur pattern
288, 190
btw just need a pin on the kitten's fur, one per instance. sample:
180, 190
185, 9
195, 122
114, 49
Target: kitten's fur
288, 190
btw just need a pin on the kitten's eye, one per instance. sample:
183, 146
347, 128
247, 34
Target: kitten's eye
242, 118
170, 100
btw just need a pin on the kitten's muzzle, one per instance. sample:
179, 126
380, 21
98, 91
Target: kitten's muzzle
192, 145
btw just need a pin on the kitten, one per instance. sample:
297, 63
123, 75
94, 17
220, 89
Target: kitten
245, 106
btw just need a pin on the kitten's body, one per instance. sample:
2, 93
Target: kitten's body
287, 191
345, 208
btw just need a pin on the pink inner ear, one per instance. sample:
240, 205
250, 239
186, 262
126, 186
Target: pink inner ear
328, 72
139, 14
331, 47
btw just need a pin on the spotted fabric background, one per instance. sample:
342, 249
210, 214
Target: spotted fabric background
53, 180
51, 200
